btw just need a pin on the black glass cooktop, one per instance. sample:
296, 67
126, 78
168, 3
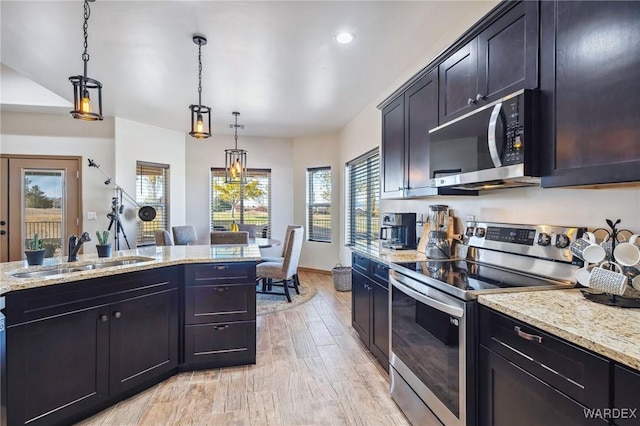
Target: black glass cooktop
465, 275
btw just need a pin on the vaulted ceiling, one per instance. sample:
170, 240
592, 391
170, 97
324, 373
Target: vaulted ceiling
274, 61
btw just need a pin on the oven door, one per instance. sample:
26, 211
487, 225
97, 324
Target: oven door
429, 347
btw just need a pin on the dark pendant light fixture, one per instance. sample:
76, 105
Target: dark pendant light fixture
235, 161
200, 114
83, 86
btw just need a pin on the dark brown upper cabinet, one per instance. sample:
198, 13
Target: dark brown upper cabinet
590, 78
405, 140
502, 59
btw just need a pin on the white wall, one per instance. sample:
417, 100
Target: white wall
317, 151
52, 134
263, 153
140, 142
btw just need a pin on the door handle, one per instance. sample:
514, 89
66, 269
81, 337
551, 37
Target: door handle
117, 314
3, 222
220, 289
104, 318
3, 232
491, 135
220, 327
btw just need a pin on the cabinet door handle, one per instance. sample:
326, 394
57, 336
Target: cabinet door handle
220, 289
104, 318
471, 101
527, 336
117, 314
3, 232
221, 327
221, 267
480, 97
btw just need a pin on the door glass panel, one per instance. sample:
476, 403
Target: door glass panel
43, 208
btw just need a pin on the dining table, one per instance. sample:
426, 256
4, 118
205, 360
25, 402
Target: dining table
264, 242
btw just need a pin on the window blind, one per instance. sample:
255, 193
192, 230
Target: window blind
363, 200
152, 189
249, 203
319, 204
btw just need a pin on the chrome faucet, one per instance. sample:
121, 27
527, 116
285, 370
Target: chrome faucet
74, 245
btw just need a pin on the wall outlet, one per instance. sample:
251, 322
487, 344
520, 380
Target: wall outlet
92, 216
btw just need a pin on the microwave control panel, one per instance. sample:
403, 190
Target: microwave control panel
514, 133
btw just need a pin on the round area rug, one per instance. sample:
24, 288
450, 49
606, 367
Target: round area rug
270, 303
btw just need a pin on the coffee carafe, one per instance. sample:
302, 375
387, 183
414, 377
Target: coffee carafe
438, 245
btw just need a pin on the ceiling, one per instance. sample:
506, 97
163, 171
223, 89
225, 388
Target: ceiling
277, 63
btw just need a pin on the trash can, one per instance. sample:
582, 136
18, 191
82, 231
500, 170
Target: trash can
341, 277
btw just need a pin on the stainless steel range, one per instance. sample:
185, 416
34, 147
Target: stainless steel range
433, 312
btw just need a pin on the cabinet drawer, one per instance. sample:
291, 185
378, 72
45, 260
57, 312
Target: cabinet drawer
581, 375
220, 345
219, 303
44, 302
380, 274
360, 263
220, 273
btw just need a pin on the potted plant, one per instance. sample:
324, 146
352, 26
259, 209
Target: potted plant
35, 252
103, 246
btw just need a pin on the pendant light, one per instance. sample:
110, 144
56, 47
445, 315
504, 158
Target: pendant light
235, 161
200, 114
83, 86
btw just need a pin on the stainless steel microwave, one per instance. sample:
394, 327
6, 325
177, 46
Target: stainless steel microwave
491, 147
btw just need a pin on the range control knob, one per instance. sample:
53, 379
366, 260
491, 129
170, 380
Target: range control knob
544, 239
562, 241
480, 232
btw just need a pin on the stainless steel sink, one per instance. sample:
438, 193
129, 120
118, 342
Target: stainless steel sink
60, 270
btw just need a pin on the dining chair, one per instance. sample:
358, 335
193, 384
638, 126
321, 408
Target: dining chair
249, 227
285, 270
163, 237
184, 235
228, 237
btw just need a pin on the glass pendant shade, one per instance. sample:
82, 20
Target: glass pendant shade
235, 166
84, 104
200, 121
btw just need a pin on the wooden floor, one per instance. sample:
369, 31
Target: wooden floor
311, 370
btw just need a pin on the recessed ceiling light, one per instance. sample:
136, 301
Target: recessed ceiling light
344, 38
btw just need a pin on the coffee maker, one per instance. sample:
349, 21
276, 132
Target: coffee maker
398, 231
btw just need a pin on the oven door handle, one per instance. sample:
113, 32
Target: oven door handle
491, 135
436, 304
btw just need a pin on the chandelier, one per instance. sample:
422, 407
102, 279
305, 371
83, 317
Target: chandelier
83, 86
200, 114
235, 161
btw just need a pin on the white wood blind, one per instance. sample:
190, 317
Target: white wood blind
363, 199
319, 204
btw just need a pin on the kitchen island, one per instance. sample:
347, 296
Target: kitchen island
84, 335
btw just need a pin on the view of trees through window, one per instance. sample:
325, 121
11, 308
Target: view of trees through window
319, 204
249, 203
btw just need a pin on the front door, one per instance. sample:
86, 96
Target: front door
40, 195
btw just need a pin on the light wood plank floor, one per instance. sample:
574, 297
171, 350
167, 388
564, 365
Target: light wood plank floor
311, 370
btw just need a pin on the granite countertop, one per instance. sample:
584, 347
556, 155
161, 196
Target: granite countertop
388, 256
151, 257
609, 331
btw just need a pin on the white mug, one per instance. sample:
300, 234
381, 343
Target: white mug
583, 274
627, 254
609, 281
586, 249
636, 283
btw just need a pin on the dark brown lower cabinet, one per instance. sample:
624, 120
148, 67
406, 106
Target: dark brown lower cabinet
220, 315
626, 396
370, 308
508, 395
75, 348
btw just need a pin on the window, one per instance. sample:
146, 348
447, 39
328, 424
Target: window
363, 199
319, 204
152, 189
249, 203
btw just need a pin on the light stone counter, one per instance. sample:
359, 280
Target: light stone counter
153, 257
609, 331
388, 256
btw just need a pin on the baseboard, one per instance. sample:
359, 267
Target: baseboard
315, 271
